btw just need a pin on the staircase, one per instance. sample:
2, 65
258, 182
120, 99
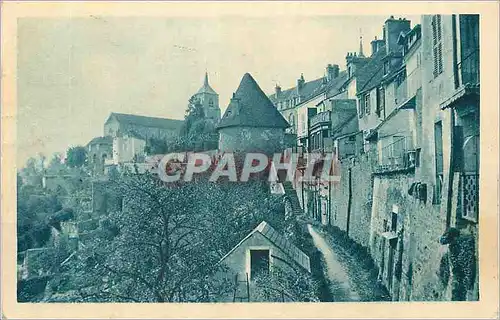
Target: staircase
294, 199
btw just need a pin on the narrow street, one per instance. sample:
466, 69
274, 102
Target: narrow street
348, 280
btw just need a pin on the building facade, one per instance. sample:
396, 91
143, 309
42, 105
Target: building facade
404, 130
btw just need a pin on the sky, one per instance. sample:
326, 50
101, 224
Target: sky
73, 72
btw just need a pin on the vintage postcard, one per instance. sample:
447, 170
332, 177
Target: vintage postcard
249, 160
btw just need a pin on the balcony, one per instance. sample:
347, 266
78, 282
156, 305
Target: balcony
320, 119
468, 69
399, 155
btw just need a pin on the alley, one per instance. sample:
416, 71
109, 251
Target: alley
348, 281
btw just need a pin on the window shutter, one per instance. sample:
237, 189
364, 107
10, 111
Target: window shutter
367, 103
440, 57
437, 50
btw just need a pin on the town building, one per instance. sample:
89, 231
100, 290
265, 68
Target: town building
99, 150
403, 129
131, 133
251, 123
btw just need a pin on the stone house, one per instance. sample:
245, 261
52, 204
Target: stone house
130, 134
259, 252
251, 123
287, 101
99, 152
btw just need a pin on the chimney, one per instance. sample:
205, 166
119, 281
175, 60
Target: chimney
377, 44
277, 88
332, 71
392, 29
374, 46
300, 82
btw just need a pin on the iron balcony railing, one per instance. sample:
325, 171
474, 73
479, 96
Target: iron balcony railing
322, 117
398, 155
468, 68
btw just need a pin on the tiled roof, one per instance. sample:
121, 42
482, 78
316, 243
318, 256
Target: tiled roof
101, 140
313, 88
309, 89
372, 73
278, 240
144, 121
335, 86
252, 108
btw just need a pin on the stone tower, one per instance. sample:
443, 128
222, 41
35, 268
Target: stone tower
251, 122
209, 99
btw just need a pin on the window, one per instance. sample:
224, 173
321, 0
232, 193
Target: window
259, 262
394, 222
469, 44
437, 44
438, 154
361, 107
417, 157
291, 121
211, 103
380, 102
367, 103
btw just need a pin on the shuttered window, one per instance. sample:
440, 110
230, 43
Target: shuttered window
437, 44
361, 105
367, 103
380, 102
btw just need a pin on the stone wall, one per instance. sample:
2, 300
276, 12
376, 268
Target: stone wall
419, 265
355, 216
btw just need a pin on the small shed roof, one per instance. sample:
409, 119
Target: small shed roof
278, 240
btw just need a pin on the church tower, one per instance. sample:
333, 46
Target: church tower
209, 99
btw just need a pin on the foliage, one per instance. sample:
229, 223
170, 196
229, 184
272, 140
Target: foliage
33, 210
76, 157
290, 285
168, 240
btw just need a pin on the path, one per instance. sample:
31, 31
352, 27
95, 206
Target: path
341, 286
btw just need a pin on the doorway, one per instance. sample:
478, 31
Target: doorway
259, 262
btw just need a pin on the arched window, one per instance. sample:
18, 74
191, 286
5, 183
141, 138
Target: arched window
211, 103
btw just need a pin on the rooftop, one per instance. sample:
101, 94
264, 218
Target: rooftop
251, 107
145, 121
206, 88
278, 240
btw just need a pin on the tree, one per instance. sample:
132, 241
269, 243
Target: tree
76, 157
168, 239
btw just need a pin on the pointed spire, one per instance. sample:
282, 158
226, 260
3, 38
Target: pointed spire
205, 83
206, 87
361, 47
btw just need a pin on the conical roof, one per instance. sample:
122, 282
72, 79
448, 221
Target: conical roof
206, 87
250, 107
